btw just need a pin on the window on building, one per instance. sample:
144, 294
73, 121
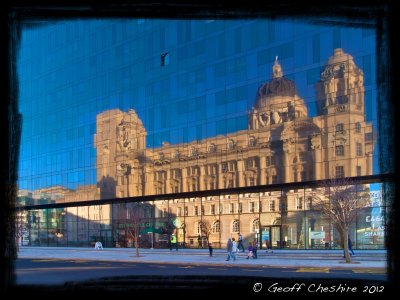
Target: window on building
224, 167
240, 207
232, 208
358, 127
252, 181
196, 210
176, 188
271, 205
195, 170
339, 171
212, 148
164, 212
255, 226
231, 144
252, 207
339, 150
230, 183
252, 141
220, 209
212, 185
359, 150
299, 203
270, 161
197, 227
339, 127
274, 179
202, 209
232, 166
216, 227
235, 226
211, 169
308, 203
212, 209
358, 170
186, 210
176, 173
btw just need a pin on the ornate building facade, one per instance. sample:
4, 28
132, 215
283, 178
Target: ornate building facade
282, 144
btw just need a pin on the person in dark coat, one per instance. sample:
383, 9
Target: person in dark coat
210, 249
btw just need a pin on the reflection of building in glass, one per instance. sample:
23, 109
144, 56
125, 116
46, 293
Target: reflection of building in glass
160, 108
281, 145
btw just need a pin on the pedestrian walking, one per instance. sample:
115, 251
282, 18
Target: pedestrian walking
255, 247
240, 242
229, 249
249, 251
349, 244
234, 248
173, 243
210, 249
268, 246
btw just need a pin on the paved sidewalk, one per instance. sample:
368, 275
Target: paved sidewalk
365, 259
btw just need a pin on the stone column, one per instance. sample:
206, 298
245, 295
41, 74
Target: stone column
261, 171
368, 169
286, 162
131, 185
316, 148
169, 188
184, 179
220, 177
202, 177
240, 172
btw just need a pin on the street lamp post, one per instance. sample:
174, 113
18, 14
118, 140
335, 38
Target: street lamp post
38, 230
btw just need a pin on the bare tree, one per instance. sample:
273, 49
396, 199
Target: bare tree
206, 228
339, 199
19, 228
134, 215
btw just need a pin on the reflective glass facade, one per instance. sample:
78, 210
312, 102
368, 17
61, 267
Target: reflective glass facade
129, 108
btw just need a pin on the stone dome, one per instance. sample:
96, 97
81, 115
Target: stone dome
339, 57
277, 86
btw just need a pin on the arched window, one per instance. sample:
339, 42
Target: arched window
255, 226
216, 227
211, 148
235, 226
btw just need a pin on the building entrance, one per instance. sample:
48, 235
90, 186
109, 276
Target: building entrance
271, 237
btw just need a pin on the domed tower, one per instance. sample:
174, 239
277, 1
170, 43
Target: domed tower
120, 141
341, 87
277, 101
348, 138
